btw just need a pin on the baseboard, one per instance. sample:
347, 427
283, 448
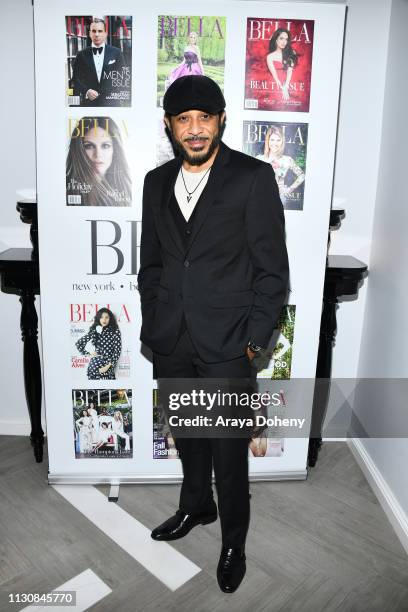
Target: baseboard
389, 503
15, 428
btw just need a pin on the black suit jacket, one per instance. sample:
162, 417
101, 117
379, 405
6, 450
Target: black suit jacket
84, 75
232, 279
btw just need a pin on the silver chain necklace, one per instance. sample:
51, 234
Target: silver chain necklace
190, 193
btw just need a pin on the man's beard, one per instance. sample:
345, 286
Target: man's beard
199, 158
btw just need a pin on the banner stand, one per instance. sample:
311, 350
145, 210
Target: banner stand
102, 423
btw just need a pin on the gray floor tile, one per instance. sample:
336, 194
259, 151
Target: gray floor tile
319, 545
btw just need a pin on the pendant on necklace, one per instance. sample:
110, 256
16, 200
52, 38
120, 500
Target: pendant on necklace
189, 198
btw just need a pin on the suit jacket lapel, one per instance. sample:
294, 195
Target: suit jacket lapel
91, 63
106, 58
215, 180
172, 237
212, 188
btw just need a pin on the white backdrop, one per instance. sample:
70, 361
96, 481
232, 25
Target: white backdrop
65, 231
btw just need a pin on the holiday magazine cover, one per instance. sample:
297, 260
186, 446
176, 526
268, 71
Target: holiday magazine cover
97, 169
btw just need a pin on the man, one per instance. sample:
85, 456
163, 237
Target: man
213, 279
95, 68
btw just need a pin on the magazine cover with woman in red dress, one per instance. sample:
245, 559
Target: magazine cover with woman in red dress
278, 64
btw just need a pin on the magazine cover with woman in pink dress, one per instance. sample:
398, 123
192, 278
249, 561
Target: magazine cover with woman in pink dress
189, 45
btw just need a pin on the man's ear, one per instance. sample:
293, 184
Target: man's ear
223, 116
167, 121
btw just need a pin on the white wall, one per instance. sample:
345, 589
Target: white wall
384, 346
358, 158
18, 136
17, 172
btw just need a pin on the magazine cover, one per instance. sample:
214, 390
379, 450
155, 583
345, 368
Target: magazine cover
99, 60
189, 45
269, 441
278, 64
164, 149
277, 364
163, 443
97, 170
266, 446
284, 146
102, 423
100, 341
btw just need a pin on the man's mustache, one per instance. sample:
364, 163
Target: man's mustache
196, 139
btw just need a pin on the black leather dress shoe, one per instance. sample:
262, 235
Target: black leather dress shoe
231, 569
180, 524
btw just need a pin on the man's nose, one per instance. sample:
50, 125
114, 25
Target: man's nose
195, 126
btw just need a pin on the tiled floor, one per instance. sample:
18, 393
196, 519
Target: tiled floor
323, 544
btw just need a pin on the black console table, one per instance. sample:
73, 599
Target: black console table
19, 271
343, 277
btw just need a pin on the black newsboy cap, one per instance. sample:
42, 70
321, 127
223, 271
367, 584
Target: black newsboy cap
193, 92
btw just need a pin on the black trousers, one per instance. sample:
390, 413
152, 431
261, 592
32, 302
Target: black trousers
228, 456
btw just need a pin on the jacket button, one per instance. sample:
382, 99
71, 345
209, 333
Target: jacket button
186, 263
188, 232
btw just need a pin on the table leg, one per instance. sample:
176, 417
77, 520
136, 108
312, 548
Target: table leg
32, 370
328, 328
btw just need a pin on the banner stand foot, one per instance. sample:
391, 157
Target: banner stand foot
113, 493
